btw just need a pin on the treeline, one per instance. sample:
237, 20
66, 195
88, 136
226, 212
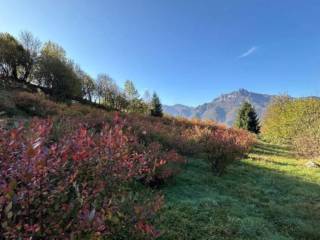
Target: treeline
296, 122
46, 66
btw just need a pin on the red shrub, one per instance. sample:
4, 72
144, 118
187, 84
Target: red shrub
220, 144
160, 165
77, 187
223, 146
76, 178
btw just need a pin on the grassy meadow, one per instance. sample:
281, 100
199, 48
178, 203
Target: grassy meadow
269, 195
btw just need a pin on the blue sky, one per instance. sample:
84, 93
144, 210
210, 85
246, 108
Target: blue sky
189, 51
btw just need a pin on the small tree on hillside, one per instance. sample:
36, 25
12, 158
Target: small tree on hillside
130, 90
247, 118
108, 91
135, 103
147, 97
156, 106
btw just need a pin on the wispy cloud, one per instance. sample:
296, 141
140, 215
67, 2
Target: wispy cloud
250, 51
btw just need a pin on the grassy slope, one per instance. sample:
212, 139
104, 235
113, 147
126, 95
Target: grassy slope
269, 195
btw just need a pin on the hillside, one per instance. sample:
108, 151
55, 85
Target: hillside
269, 194
224, 108
96, 172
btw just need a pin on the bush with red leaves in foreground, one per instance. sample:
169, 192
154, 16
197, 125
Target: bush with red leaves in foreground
82, 186
80, 177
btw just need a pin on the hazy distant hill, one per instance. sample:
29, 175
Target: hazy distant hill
222, 109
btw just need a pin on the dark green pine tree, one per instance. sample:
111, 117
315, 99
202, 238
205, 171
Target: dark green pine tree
156, 106
247, 118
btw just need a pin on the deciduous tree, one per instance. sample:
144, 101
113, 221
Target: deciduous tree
107, 90
88, 86
56, 72
14, 60
32, 45
130, 90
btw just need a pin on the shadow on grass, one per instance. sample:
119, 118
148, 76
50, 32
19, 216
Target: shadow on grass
249, 202
271, 149
271, 161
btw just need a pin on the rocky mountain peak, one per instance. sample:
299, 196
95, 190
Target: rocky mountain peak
223, 108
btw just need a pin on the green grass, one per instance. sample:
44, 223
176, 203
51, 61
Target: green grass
269, 195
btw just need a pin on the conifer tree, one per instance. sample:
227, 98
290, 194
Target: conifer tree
156, 106
247, 118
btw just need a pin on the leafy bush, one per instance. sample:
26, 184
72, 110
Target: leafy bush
78, 187
35, 104
307, 142
220, 145
79, 175
223, 146
7, 105
161, 165
176, 134
296, 122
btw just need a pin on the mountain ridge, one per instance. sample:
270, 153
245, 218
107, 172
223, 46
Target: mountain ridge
223, 108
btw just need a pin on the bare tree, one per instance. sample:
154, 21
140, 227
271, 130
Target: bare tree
88, 86
107, 90
30, 43
130, 90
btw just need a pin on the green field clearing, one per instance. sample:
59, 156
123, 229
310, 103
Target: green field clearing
269, 195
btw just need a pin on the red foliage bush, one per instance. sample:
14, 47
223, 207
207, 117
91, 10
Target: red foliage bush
221, 145
79, 177
160, 165
75, 188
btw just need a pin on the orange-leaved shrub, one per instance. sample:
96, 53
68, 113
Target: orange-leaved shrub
25, 103
80, 186
35, 104
223, 146
79, 175
219, 144
181, 135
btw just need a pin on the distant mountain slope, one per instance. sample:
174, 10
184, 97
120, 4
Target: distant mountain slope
224, 108
179, 110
